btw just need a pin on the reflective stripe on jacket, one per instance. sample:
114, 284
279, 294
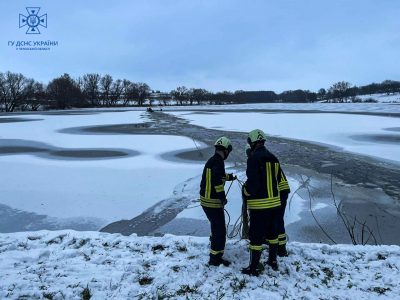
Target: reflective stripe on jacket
265, 180
212, 193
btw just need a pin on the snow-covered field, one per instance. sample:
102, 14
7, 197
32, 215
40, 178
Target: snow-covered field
104, 189
336, 130
63, 264
382, 98
378, 108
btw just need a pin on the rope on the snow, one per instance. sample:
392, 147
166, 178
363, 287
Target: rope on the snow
237, 229
238, 225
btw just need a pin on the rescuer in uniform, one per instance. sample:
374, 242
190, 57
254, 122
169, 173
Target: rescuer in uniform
262, 191
284, 194
213, 198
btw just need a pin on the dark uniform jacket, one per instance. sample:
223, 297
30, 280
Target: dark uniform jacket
265, 180
212, 193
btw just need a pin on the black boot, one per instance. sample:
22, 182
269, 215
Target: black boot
272, 262
216, 260
282, 251
255, 268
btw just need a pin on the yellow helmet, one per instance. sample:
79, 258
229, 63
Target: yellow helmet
256, 135
223, 143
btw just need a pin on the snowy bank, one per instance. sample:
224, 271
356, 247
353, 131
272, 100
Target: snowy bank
62, 264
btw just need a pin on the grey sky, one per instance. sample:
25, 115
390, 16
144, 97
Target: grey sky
217, 45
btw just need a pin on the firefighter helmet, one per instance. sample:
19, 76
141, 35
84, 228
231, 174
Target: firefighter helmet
256, 135
223, 143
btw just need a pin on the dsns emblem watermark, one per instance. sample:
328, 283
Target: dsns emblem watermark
33, 21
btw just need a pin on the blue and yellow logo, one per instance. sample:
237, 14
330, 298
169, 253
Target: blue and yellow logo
33, 20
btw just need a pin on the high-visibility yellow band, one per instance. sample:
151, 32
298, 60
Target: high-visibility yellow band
263, 203
282, 239
209, 202
269, 180
283, 185
255, 247
273, 242
215, 252
219, 188
208, 183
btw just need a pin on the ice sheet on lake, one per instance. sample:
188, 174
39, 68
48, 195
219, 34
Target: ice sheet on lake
330, 129
107, 189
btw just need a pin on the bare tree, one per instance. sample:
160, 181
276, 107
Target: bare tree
126, 92
65, 92
2, 92
116, 92
143, 92
198, 96
12, 90
180, 94
105, 89
35, 95
80, 83
321, 94
133, 93
222, 97
340, 90
91, 88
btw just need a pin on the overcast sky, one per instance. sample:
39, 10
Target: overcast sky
217, 45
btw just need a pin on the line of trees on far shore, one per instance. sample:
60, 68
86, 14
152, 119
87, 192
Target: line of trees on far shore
18, 92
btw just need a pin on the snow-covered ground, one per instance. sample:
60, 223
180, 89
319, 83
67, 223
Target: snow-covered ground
63, 264
339, 130
106, 189
382, 98
325, 107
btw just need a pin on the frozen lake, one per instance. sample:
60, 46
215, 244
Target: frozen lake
364, 134
74, 177
85, 169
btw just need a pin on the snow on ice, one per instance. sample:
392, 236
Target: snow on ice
106, 189
376, 108
337, 130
